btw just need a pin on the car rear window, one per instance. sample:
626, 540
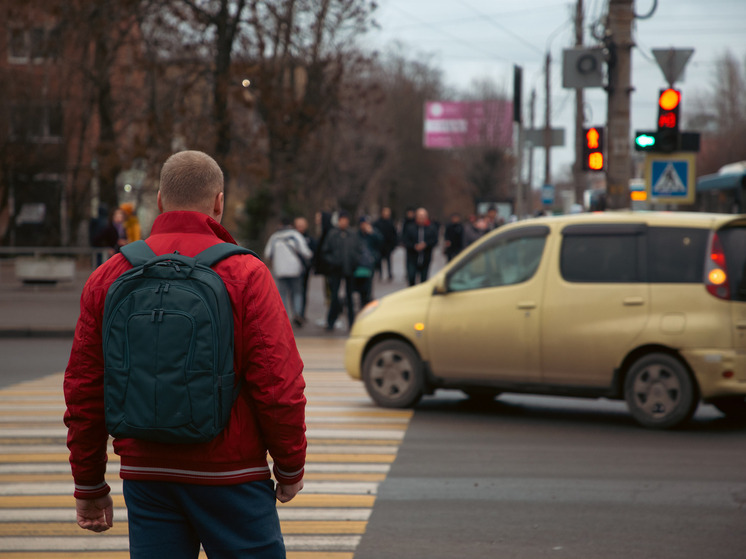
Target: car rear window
733, 240
676, 254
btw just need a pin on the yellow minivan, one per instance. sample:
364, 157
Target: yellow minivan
649, 307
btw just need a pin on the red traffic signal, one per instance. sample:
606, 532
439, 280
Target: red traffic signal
668, 109
593, 149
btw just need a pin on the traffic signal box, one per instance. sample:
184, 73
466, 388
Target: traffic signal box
667, 138
668, 120
593, 149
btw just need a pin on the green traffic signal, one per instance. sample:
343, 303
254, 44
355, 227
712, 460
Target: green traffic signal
645, 141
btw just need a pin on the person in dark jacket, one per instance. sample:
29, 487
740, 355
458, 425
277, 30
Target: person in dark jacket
453, 237
301, 224
341, 253
385, 225
419, 238
370, 260
323, 221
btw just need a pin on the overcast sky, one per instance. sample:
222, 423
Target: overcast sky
477, 39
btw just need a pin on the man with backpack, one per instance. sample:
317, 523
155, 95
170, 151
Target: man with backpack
192, 415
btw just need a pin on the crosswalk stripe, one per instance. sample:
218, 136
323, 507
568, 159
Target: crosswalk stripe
93, 542
67, 514
351, 445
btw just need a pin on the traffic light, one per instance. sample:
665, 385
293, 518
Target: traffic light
668, 139
646, 140
593, 149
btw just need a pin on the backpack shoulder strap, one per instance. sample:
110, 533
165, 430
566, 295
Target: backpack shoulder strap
214, 254
137, 253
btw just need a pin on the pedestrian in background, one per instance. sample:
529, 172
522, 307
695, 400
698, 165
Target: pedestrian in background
290, 256
323, 222
301, 225
218, 494
131, 223
473, 229
370, 259
453, 237
341, 253
113, 235
385, 225
419, 239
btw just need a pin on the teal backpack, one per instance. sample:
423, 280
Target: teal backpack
168, 347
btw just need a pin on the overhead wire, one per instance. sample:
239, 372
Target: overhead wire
451, 36
494, 23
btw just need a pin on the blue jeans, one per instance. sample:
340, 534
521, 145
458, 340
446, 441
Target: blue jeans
230, 521
291, 292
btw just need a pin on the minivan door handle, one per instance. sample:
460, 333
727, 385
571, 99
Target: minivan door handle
526, 305
633, 301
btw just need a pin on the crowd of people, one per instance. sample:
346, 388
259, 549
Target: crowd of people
350, 254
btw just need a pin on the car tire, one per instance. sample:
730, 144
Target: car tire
732, 407
393, 375
660, 392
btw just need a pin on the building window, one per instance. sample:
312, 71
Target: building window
37, 122
32, 45
18, 50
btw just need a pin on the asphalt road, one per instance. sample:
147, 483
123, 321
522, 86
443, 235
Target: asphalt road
30, 358
531, 477
534, 477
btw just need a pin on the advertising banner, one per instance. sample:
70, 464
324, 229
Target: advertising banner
457, 124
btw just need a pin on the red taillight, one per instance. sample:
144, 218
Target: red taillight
716, 275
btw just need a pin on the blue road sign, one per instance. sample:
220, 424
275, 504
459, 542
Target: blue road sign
670, 178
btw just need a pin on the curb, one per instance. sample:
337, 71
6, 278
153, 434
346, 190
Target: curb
32, 332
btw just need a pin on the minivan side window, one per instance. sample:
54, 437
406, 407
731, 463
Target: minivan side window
676, 254
505, 262
607, 254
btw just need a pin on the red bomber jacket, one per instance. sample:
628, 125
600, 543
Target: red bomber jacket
269, 414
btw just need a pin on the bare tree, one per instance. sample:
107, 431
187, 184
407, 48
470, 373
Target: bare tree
720, 115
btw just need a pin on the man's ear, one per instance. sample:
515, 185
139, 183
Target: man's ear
160, 203
218, 206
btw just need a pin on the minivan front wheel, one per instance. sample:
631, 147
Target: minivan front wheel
393, 376
660, 392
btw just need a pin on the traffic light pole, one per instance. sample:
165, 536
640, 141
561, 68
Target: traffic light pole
577, 168
619, 43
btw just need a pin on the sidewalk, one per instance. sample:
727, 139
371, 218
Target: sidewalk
51, 310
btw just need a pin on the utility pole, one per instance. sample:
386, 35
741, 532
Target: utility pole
518, 119
532, 113
577, 168
619, 42
548, 123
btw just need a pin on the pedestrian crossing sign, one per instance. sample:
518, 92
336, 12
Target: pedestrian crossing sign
670, 178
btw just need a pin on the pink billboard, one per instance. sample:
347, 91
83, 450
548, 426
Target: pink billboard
455, 124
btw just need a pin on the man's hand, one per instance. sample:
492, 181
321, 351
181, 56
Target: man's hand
285, 493
96, 515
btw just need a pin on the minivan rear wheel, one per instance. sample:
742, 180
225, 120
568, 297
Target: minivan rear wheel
393, 375
660, 392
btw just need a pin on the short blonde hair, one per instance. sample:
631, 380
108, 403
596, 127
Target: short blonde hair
190, 180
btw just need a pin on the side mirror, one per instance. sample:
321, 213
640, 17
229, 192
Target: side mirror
440, 285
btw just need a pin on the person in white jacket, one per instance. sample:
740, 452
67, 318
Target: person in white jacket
289, 254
